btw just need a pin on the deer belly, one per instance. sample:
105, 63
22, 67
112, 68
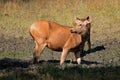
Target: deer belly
54, 46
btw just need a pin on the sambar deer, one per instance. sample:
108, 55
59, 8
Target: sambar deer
59, 38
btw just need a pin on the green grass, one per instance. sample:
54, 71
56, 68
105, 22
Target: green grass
52, 73
14, 55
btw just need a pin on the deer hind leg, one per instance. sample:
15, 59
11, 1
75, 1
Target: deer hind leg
37, 52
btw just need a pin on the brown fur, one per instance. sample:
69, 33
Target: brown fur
56, 37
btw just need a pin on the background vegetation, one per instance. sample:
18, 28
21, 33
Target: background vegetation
16, 17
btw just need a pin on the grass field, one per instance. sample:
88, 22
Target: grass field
16, 17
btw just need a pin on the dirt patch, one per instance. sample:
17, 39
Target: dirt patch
105, 52
13, 44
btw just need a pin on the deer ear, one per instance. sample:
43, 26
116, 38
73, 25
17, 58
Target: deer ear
77, 20
88, 19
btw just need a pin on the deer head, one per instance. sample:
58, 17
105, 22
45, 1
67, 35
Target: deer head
82, 26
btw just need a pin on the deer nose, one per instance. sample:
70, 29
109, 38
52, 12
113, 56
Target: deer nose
71, 31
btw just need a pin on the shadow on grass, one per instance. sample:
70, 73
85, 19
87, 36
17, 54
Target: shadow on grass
44, 70
97, 48
73, 62
6, 1
9, 63
6, 63
51, 72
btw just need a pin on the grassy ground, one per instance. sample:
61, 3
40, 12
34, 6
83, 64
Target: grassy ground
54, 73
16, 16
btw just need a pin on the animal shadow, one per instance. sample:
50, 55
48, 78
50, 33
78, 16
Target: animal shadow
97, 48
69, 61
8, 63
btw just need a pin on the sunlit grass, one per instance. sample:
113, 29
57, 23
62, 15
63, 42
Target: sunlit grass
17, 16
15, 55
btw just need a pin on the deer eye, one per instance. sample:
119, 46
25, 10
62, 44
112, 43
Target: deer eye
80, 25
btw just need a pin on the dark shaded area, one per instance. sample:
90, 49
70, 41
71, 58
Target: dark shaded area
89, 62
51, 72
6, 63
97, 48
5, 1
68, 61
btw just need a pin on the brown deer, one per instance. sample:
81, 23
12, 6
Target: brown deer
59, 38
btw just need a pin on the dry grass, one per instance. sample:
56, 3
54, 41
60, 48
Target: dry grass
16, 16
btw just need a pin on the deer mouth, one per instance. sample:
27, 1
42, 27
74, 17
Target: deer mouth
73, 31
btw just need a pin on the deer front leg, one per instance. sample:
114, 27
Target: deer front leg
63, 56
77, 56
